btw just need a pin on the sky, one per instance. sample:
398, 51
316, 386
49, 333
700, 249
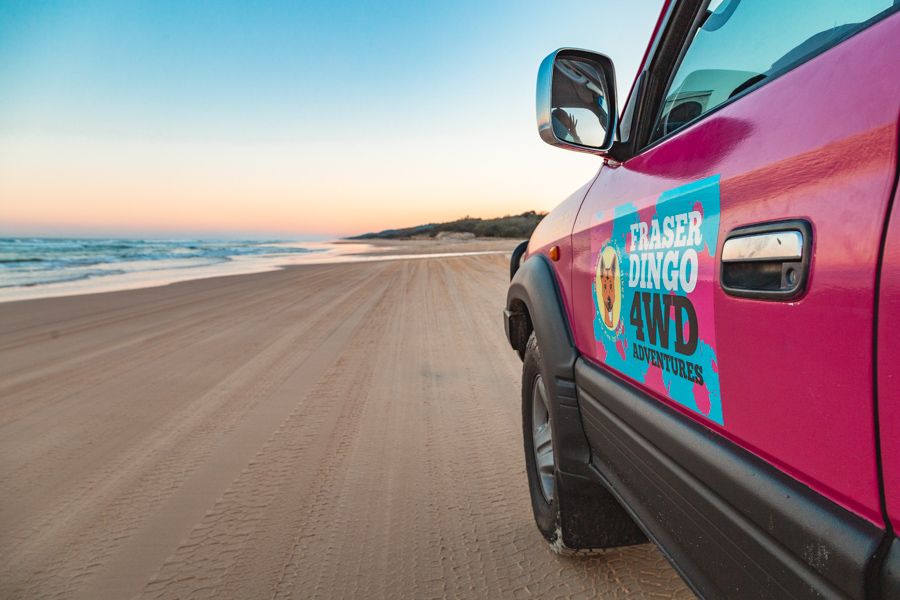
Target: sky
296, 119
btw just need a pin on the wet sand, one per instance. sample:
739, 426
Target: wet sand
338, 430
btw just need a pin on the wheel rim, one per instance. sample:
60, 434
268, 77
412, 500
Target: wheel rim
542, 436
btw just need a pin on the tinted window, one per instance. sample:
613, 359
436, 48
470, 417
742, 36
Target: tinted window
743, 42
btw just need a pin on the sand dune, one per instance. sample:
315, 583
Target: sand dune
347, 430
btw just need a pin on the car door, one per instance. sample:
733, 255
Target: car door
727, 270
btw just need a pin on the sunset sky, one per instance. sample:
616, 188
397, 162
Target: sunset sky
294, 119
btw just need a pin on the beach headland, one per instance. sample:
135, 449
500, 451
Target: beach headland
344, 429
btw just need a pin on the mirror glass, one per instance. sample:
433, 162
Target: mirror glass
580, 111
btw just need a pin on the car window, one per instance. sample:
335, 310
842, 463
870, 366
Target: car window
743, 42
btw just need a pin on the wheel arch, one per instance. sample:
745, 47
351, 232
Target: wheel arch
534, 303
589, 516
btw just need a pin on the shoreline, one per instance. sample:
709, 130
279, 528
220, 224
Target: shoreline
331, 252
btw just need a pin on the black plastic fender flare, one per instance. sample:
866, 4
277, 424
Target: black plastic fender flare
533, 302
534, 289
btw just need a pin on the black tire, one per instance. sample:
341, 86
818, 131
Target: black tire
546, 511
577, 516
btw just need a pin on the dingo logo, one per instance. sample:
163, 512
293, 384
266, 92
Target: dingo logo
608, 284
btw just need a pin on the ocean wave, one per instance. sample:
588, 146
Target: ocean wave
14, 261
26, 262
62, 277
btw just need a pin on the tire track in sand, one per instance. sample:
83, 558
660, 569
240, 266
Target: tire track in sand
271, 509
97, 516
137, 559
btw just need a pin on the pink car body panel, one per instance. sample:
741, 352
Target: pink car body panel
796, 378
555, 230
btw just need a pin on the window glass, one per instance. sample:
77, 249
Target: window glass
743, 42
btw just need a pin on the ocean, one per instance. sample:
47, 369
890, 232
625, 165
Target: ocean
28, 262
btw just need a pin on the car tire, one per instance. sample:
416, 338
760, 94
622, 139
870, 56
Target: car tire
576, 516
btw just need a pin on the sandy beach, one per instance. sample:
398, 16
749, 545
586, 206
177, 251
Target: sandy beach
323, 430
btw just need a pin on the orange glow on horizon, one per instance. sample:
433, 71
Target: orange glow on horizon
288, 189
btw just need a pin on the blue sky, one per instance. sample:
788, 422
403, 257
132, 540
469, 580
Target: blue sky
325, 117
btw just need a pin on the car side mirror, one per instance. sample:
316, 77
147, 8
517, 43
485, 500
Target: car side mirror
576, 101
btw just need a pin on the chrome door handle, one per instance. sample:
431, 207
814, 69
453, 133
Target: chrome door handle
768, 261
778, 245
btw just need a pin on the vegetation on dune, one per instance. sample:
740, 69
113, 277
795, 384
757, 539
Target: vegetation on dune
510, 226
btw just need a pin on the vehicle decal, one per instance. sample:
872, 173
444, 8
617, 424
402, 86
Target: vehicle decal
653, 294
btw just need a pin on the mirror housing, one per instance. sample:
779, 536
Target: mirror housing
576, 101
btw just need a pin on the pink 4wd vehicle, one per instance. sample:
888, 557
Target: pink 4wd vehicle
709, 327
